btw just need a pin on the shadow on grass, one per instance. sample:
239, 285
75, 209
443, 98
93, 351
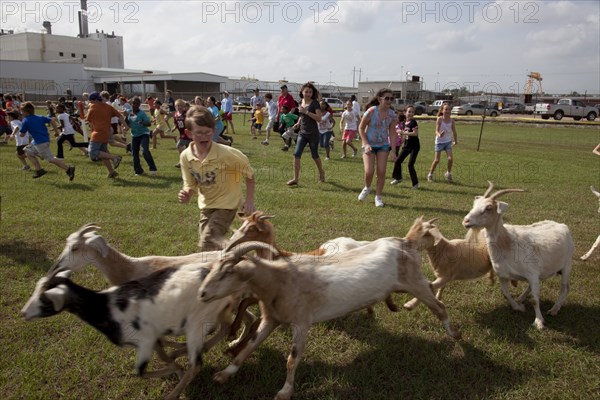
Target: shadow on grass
577, 321
24, 253
148, 181
397, 366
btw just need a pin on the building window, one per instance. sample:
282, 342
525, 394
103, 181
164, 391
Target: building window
61, 54
85, 56
72, 54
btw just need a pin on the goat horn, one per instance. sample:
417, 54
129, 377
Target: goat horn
504, 191
595, 191
431, 221
88, 228
247, 247
489, 189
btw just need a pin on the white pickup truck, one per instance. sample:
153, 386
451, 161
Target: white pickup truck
434, 107
566, 108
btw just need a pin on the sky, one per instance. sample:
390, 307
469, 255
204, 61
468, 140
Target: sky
482, 45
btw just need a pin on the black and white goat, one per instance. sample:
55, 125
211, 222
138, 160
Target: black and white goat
138, 313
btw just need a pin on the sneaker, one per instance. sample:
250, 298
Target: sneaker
395, 181
326, 158
113, 174
430, 177
415, 187
378, 201
139, 173
285, 148
354, 154
364, 193
264, 142
39, 173
116, 162
448, 176
71, 172
153, 173
343, 156
26, 168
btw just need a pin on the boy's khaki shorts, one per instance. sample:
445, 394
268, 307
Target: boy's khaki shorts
39, 150
214, 227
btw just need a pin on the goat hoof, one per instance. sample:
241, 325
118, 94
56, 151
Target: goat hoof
519, 307
221, 377
539, 325
553, 311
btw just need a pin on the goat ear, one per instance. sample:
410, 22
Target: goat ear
245, 267
57, 297
64, 274
437, 235
501, 207
98, 243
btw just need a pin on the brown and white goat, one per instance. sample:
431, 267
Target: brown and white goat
456, 259
306, 289
597, 242
257, 227
523, 252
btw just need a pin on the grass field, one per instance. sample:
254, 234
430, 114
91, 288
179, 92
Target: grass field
403, 355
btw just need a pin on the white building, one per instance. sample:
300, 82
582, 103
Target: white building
98, 50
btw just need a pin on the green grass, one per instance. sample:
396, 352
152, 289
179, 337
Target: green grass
394, 355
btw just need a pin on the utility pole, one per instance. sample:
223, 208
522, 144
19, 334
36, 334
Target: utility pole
354, 76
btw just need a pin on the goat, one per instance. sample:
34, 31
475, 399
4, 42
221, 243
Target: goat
257, 227
456, 259
309, 290
523, 252
85, 246
597, 242
139, 313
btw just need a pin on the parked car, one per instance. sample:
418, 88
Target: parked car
514, 108
474, 109
336, 104
420, 107
242, 101
434, 107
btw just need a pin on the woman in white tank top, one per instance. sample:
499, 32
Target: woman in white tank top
445, 135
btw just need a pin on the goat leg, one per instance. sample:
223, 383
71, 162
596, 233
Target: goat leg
237, 322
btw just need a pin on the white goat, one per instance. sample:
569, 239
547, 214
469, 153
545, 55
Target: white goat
138, 313
456, 259
85, 246
523, 252
308, 290
597, 242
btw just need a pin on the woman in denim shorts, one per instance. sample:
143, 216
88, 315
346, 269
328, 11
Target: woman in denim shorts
377, 133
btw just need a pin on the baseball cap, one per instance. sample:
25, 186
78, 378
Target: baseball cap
226, 92
95, 96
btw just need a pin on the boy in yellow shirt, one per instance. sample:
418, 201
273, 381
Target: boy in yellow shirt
215, 172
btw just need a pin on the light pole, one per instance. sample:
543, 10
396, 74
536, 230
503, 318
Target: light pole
406, 85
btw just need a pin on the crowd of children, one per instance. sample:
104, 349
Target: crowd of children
103, 119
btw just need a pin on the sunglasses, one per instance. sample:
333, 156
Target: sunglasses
388, 98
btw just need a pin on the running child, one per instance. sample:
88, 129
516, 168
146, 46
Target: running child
35, 125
